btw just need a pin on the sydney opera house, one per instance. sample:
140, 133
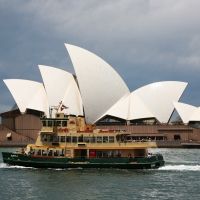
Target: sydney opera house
98, 93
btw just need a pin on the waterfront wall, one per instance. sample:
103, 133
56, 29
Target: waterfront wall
169, 144
169, 131
28, 125
23, 127
15, 136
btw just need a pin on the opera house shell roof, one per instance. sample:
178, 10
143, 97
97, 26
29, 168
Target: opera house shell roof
187, 112
98, 92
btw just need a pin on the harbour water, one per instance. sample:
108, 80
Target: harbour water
178, 179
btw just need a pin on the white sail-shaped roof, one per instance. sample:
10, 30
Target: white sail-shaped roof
196, 115
150, 101
100, 85
61, 86
158, 96
187, 112
120, 109
102, 92
28, 94
138, 110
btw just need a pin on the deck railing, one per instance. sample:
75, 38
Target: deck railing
16, 143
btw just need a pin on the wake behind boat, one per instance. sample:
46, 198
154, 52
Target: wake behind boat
67, 142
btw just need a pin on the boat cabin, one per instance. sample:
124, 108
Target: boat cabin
69, 136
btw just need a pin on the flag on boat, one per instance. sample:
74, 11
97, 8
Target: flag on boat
63, 107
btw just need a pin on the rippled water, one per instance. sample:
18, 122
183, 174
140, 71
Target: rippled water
178, 179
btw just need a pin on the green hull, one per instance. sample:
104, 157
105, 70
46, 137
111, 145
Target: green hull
62, 162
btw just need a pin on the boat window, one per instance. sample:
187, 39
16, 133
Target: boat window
44, 138
55, 138
50, 138
64, 123
38, 152
68, 139
74, 139
58, 123
62, 139
105, 153
105, 139
99, 153
99, 139
55, 152
118, 138
32, 151
111, 154
93, 139
118, 153
44, 123
61, 152
44, 152
68, 151
86, 139
50, 152
111, 139
80, 139
50, 123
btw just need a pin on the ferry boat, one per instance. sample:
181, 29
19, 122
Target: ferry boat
67, 142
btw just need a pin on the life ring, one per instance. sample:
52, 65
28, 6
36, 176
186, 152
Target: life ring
60, 130
66, 130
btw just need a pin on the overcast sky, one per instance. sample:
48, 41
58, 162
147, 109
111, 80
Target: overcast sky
145, 41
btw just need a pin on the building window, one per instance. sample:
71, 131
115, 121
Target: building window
177, 137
